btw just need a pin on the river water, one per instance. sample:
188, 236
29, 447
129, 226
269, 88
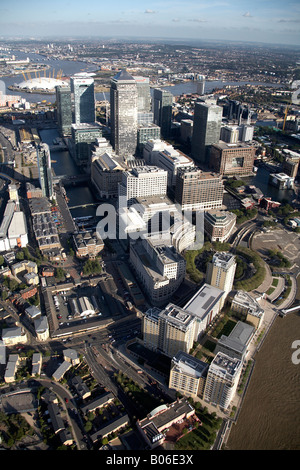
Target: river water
63, 164
270, 415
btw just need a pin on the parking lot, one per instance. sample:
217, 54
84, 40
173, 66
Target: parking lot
65, 314
283, 240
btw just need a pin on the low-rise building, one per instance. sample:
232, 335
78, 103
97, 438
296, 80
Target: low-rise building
15, 335
112, 426
41, 327
87, 244
11, 368
36, 364
161, 418
236, 344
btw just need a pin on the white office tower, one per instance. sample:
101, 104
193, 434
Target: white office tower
222, 380
124, 114
143, 181
200, 84
220, 272
159, 153
159, 268
82, 87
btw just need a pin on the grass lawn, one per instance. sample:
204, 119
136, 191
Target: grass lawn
203, 437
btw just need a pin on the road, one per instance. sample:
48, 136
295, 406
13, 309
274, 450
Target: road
69, 405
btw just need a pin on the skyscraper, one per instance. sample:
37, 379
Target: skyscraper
162, 109
45, 172
220, 272
123, 113
200, 84
206, 129
64, 109
82, 86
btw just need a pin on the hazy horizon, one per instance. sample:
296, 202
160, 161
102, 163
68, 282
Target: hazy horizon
264, 21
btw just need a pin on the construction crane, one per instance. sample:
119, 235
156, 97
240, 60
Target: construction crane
285, 116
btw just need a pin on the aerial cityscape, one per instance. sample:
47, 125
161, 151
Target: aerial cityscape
150, 229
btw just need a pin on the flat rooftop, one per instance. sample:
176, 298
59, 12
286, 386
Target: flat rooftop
183, 362
204, 301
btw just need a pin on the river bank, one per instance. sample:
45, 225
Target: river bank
270, 415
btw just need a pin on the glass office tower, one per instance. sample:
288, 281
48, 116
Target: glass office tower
123, 113
82, 86
64, 109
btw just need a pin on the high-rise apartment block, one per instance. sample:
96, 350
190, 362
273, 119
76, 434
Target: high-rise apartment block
82, 87
220, 272
222, 380
188, 375
169, 330
162, 109
124, 113
232, 159
198, 190
143, 181
206, 129
64, 109
45, 170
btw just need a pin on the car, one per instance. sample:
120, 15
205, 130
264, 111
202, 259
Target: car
66, 400
58, 317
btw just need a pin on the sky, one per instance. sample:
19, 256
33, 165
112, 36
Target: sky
267, 21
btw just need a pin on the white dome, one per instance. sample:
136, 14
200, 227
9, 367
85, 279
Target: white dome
42, 83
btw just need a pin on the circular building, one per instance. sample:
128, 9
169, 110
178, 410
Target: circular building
41, 84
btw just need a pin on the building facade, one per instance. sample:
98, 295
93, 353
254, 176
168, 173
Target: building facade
220, 272
232, 159
198, 190
124, 113
143, 181
82, 87
206, 129
187, 375
64, 109
222, 380
219, 225
45, 171
84, 136
162, 110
